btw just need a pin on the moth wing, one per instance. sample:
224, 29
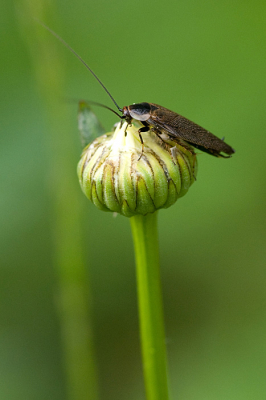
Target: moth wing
180, 127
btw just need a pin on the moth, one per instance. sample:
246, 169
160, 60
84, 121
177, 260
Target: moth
161, 120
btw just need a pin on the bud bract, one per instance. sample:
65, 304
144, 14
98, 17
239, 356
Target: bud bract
118, 174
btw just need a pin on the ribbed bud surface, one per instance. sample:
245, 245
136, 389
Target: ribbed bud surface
117, 176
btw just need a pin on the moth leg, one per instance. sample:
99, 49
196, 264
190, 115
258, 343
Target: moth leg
158, 134
142, 145
126, 130
144, 128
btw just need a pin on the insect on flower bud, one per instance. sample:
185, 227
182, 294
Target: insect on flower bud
116, 175
119, 174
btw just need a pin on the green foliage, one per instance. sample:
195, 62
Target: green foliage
89, 125
205, 60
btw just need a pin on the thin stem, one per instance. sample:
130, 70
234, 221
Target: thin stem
73, 297
145, 237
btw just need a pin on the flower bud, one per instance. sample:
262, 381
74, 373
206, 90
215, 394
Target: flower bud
118, 174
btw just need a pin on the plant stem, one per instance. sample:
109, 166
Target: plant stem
73, 297
145, 237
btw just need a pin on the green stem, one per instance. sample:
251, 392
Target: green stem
145, 237
69, 258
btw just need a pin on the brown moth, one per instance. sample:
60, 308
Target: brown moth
161, 120
153, 116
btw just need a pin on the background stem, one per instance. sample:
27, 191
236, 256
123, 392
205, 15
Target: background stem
72, 291
145, 237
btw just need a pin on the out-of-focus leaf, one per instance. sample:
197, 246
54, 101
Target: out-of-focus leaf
89, 125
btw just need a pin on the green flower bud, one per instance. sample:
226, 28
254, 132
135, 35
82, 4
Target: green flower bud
117, 175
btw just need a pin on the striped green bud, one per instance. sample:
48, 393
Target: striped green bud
117, 175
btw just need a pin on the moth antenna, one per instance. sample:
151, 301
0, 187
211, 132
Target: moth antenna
96, 104
80, 59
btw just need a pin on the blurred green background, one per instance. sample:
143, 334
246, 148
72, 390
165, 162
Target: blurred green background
203, 59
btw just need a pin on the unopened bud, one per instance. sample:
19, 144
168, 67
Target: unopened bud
118, 174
